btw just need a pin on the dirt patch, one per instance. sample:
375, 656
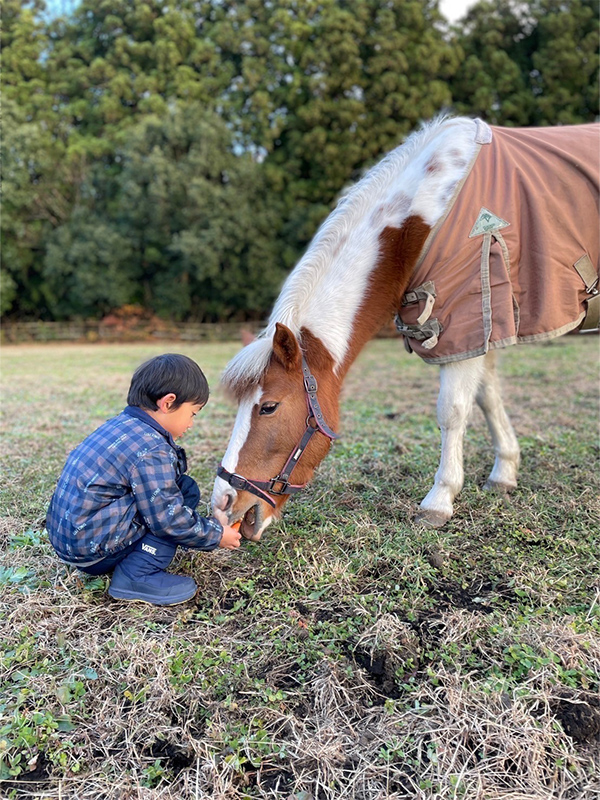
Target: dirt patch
37, 775
579, 717
450, 595
177, 758
380, 667
274, 779
233, 599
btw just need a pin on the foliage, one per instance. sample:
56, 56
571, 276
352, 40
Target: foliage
533, 63
181, 154
182, 227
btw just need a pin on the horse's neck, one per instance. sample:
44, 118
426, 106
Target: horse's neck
399, 250
352, 277
351, 300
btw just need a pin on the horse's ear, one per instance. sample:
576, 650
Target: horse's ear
285, 347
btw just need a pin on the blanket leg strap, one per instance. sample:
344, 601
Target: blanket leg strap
426, 330
589, 276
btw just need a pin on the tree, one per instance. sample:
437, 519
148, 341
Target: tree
23, 40
565, 63
323, 88
113, 61
33, 204
529, 63
26, 152
201, 233
41, 177
87, 268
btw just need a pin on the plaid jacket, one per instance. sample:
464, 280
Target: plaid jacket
117, 485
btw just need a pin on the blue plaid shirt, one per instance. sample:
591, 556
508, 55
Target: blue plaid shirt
117, 485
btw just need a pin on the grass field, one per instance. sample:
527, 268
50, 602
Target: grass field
350, 653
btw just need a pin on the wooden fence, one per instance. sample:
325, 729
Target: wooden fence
94, 331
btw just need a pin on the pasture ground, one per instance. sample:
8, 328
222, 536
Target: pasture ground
351, 653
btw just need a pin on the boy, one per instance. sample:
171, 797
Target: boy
123, 501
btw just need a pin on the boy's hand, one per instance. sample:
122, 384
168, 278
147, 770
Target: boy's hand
231, 536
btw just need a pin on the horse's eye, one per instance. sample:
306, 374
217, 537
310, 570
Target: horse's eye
268, 408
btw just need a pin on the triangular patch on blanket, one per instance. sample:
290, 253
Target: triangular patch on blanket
487, 222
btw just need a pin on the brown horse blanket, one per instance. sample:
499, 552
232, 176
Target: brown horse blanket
515, 256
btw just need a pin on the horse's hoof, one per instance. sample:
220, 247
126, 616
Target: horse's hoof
431, 519
499, 488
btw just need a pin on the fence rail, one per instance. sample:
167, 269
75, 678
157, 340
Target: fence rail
93, 331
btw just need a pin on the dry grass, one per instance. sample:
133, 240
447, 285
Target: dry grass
348, 655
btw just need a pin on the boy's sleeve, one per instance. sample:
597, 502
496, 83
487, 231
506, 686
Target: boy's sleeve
161, 505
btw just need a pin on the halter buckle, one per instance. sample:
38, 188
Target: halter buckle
310, 384
282, 483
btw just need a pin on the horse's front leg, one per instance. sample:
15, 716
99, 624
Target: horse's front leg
459, 383
503, 476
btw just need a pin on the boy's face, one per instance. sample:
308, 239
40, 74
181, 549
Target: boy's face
175, 420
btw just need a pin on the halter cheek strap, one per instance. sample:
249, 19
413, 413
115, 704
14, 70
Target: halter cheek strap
311, 386
280, 485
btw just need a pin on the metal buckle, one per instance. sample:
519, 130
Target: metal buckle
310, 384
284, 485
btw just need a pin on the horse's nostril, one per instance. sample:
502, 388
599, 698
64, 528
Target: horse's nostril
227, 502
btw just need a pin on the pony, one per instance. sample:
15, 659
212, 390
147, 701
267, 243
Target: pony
475, 238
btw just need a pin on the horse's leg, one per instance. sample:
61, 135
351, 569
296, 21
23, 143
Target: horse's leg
458, 386
503, 476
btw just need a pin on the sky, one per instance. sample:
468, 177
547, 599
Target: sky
455, 9
451, 9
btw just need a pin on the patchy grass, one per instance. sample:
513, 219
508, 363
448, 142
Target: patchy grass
350, 654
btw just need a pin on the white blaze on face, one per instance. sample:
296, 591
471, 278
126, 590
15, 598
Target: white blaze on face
239, 435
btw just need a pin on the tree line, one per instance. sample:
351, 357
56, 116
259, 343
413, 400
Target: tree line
180, 154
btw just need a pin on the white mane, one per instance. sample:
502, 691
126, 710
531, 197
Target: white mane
325, 289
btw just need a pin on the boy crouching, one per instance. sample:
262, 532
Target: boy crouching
123, 503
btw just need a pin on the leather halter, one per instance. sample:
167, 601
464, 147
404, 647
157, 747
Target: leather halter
280, 485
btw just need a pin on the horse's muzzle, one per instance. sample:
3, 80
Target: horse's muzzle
253, 520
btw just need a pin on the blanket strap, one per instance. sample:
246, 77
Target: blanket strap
424, 292
428, 333
426, 330
589, 276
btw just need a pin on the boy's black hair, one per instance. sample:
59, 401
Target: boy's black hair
164, 374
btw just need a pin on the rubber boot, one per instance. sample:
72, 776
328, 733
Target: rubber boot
141, 575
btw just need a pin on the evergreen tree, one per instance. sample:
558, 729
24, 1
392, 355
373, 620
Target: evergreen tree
529, 63
33, 204
24, 40
181, 153
26, 152
324, 88
194, 213
564, 78
88, 268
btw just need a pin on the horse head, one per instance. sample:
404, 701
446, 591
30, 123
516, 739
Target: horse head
288, 393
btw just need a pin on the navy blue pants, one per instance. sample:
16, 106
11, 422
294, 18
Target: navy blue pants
191, 496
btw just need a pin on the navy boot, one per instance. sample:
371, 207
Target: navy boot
141, 575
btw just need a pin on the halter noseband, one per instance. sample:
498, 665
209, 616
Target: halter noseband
281, 485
